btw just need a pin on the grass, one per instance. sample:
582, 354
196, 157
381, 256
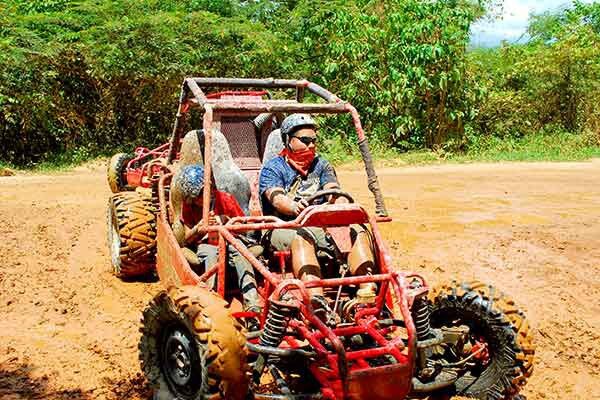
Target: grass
58, 163
557, 146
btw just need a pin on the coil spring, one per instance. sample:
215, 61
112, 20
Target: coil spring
155, 199
276, 323
421, 317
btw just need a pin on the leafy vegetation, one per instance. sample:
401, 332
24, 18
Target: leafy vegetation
81, 78
549, 84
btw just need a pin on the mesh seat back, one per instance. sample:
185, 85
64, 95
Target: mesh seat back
241, 134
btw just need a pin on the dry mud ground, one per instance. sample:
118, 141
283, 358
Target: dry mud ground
68, 329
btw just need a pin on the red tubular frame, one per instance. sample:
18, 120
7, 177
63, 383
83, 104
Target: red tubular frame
134, 176
213, 108
343, 366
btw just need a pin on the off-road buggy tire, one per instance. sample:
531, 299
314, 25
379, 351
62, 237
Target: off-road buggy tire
131, 234
503, 326
218, 352
114, 173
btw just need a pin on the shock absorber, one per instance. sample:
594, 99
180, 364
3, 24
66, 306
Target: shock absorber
420, 312
421, 317
426, 336
274, 329
276, 323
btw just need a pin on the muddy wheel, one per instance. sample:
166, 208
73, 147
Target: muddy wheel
192, 348
494, 319
116, 168
131, 234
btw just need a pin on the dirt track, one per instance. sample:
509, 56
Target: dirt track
69, 329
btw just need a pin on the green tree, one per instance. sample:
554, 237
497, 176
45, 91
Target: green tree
551, 82
402, 63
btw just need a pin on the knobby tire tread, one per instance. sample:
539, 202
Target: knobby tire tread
136, 220
219, 338
114, 173
505, 319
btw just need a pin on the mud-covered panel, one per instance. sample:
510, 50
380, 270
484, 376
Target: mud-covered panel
172, 267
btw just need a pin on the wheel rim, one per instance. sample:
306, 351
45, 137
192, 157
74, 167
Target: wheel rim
179, 355
479, 332
115, 241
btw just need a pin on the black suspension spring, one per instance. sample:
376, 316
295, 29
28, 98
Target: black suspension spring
155, 199
421, 317
276, 323
273, 332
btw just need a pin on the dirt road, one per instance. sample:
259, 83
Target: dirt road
69, 329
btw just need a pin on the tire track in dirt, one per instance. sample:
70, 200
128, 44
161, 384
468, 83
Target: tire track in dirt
69, 323
70, 329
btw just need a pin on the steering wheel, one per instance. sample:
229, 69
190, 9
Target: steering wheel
329, 192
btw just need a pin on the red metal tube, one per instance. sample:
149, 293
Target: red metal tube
253, 218
333, 339
290, 284
384, 259
350, 280
249, 108
209, 272
367, 353
399, 285
222, 263
308, 336
207, 125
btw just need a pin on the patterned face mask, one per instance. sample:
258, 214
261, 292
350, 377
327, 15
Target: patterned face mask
300, 160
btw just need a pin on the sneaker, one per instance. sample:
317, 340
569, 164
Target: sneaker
253, 323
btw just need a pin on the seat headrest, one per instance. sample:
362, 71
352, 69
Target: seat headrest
273, 147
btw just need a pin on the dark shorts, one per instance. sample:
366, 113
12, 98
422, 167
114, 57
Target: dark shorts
281, 239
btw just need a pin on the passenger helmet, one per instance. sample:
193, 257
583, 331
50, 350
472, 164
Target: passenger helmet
191, 181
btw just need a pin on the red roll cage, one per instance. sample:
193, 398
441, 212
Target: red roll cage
350, 372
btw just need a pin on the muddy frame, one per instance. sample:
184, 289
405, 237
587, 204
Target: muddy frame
395, 291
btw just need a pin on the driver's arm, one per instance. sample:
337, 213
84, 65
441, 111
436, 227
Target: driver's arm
282, 203
271, 188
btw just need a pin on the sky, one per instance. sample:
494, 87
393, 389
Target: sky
513, 23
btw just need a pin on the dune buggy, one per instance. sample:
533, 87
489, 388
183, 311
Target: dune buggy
406, 340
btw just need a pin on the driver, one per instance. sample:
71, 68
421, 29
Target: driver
186, 199
285, 183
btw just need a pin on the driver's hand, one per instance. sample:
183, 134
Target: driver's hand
303, 203
339, 200
299, 206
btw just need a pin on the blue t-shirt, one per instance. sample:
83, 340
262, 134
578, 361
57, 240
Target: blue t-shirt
278, 173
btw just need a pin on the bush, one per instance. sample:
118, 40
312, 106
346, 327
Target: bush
106, 75
550, 83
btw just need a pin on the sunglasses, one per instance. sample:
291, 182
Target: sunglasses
306, 139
